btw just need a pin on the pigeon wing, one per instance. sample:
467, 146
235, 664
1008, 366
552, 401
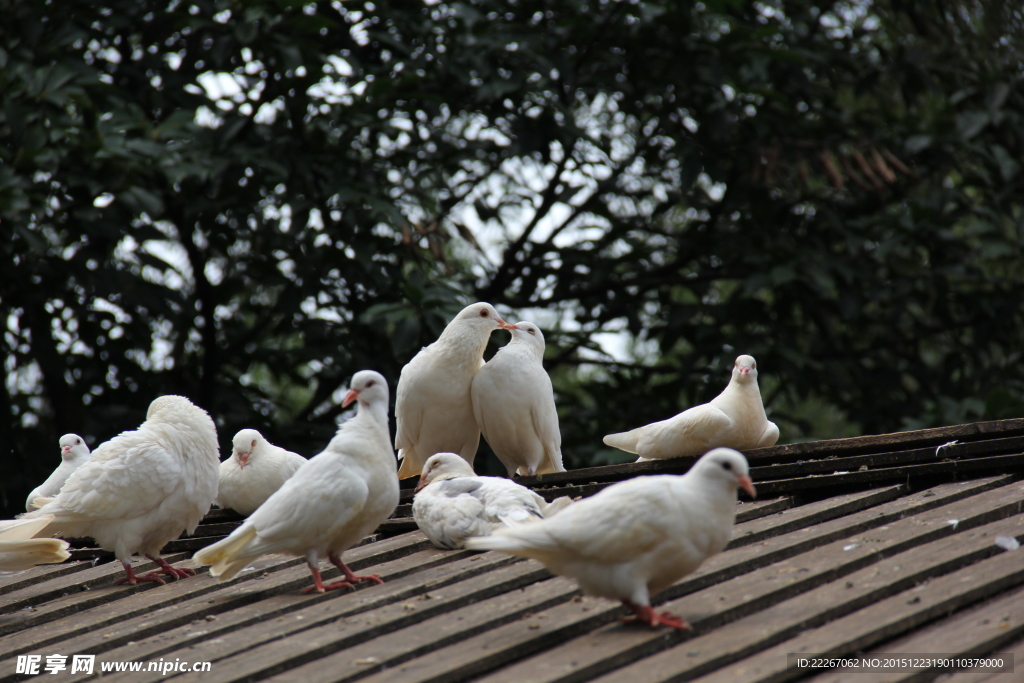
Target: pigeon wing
311, 505
618, 523
769, 436
692, 432
408, 407
447, 512
126, 478
453, 488
545, 423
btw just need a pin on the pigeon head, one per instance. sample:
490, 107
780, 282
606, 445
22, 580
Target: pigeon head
72, 446
441, 466
529, 334
367, 387
724, 467
244, 444
745, 369
483, 317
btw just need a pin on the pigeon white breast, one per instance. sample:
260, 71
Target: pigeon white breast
514, 406
142, 488
330, 504
254, 471
433, 408
733, 419
637, 537
452, 503
73, 452
19, 550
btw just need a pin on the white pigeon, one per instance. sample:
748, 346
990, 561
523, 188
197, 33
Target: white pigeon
514, 405
73, 452
142, 488
733, 419
254, 471
19, 550
637, 537
330, 504
452, 503
433, 408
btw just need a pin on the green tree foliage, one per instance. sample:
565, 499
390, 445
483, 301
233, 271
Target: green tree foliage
247, 202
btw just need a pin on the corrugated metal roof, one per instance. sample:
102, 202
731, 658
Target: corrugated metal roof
873, 544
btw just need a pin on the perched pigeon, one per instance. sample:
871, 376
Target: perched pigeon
330, 504
639, 536
514, 406
734, 419
73, 452
433, 409
452, 503
142, 488
19, 550
254, 471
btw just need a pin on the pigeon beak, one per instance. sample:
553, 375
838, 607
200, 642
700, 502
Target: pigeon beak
243, 460
747, 485
349, 397
744, 371
64, 450
504, 325
423, 482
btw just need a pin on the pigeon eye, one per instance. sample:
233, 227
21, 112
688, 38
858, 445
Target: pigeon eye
532, 331
727, 466
484, 313
371, 383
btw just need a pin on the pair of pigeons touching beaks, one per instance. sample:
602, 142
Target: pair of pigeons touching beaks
329, 503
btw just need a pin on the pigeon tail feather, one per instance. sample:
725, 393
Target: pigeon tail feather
626, 441
38, 502
25, 554
23, 528
224, 556
408, 468
501, 542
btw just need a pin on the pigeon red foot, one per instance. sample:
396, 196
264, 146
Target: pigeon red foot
319, 586
349, 574
154, 576
646, 614
350, 577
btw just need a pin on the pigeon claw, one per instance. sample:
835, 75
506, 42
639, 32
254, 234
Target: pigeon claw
645, 614
131, 578
167, 570
152, 576
323, 587
338, 585
176, 572
350, 576
375, 578
672, 620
